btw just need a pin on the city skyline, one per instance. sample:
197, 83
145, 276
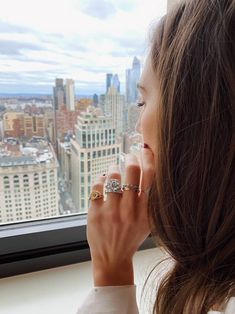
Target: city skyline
82, 40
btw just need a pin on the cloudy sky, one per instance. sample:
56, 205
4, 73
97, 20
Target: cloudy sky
79, 39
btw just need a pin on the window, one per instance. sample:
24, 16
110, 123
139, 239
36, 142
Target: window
42, 131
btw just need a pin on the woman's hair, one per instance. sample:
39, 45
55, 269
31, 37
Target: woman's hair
192, 199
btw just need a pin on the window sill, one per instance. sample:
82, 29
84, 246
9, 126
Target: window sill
62, 290
37, 245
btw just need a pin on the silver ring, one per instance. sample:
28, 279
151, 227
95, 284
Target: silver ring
130, 187
113, 185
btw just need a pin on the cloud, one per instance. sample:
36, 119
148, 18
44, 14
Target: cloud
84, 40
13, 48
10, 28
101, 9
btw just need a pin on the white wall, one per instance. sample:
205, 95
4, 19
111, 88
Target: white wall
61, 290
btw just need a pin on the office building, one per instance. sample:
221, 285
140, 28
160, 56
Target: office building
65, 121
109, 77
115, 82
28, 180
18, 124
58, 93
132, 78
114, 104
94, 148
70, 94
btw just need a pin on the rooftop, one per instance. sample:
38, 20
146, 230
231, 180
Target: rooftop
14, 152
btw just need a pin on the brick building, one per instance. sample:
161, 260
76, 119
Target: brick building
18, 124
65, 121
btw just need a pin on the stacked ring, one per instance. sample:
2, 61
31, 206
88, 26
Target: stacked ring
130, 187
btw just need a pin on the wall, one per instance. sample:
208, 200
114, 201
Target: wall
61, 290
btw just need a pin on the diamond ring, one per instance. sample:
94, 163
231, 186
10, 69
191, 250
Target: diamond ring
113, 185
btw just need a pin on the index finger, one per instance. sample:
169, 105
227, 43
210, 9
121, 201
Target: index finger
147, 163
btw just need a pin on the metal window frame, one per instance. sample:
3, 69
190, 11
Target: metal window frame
42, 244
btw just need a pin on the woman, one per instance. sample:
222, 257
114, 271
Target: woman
187, 120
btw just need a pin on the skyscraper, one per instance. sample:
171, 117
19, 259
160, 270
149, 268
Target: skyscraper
70, 94
95, 100
115, 82
109, 77
58, 94
132, 78
114, 104
92, 151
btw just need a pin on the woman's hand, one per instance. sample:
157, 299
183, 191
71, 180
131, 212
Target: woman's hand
118, 226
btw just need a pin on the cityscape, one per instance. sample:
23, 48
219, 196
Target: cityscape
52, 147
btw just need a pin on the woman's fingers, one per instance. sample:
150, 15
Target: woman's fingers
98, 185
147, 170
132, 176
115, 176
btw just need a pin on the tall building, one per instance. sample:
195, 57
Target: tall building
70, 94
114, 106
65, 162
58, 93
28, 180
95, 100
132, 78
115, 82
94, 148
133, 115
109, 77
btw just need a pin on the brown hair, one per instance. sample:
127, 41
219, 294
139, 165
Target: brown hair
192, 200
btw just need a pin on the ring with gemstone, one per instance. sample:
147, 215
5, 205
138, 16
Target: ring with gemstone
113, 185
130, 187
95, 195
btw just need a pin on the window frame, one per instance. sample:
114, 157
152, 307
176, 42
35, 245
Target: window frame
43, 244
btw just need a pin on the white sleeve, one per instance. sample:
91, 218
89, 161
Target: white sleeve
230, 308
110, 300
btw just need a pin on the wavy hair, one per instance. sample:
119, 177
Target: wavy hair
192, 199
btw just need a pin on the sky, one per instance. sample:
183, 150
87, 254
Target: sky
78, 39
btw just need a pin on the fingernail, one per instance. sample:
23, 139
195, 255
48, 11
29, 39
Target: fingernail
146, 146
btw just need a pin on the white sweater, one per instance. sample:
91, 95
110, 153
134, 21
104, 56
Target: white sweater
122, 300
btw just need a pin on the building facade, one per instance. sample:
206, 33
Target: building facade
58, 93
18, 124
65, 121
132, 78
114, 105
109, 77
94, 148
70, 94
28, 181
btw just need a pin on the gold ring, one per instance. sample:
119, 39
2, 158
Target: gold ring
95, 195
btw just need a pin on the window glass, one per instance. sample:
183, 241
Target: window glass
67, 98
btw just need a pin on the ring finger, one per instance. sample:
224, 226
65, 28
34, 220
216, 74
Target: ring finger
113, 180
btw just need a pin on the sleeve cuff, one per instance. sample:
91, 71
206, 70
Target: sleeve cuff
110, 299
